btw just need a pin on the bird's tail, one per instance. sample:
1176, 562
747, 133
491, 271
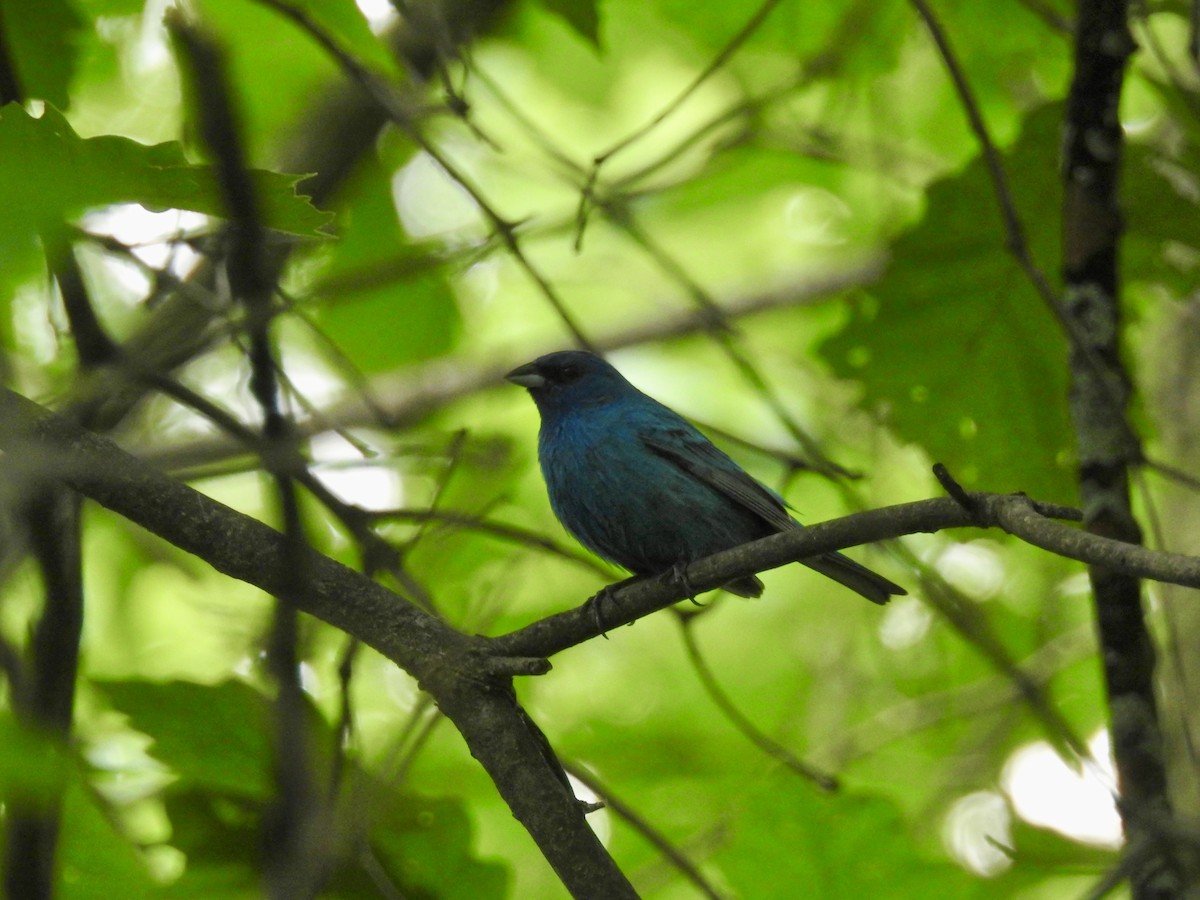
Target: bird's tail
858, 578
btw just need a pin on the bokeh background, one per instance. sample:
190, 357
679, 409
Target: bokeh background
775, 217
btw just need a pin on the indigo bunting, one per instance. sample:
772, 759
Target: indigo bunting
638, 485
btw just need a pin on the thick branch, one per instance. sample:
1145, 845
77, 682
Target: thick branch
461, 672
1100, 391
446, 663
250, 551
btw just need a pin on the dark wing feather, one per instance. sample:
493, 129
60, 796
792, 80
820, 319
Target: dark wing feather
696, 455
692, 452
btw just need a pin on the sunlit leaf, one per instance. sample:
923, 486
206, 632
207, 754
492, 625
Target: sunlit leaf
48, 173
98, 862
383, 301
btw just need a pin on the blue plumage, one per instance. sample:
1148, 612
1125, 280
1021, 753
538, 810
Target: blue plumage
638, 485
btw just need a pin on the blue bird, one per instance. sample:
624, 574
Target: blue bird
639, 486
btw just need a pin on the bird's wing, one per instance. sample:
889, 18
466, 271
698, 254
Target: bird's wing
695, 454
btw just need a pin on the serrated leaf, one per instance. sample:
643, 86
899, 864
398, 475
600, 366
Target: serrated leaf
48, 174
962, 354
96, 861
214, 737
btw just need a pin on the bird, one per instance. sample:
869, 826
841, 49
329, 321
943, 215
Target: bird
638, 485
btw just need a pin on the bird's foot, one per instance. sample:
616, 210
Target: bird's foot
595, 606
676, 576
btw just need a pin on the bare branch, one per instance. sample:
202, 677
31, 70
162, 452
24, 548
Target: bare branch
1015, 513
1093, 144
449, 665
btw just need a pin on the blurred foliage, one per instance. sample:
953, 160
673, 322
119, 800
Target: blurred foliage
830, 136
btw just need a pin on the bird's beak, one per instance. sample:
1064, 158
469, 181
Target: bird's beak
527, 376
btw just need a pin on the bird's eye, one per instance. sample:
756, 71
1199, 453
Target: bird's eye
569, 372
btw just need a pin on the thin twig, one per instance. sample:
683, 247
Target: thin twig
737, 718
917, 714
716, 64
382, 94
295, 867
1016, 242
1173, 473
412, 393
525, 537
642, 826
720, 330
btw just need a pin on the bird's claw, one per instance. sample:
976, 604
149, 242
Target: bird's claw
676, 576
595, 603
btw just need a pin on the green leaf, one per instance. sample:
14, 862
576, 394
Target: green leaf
95, 859
97, 862
798, 28
341, 20
581, 15
48, 174
384, 301
962, 356
213, 737
280, 74
222, 841
1159, 214
425, 844
1050, 850
858, 846
43, 38
836, 846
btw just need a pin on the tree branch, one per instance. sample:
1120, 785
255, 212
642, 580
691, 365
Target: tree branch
1020, 516
250, 551
826, 781
1099, 397
457, 670
295, 851
469, 677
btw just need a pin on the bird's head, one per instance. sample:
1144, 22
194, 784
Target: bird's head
569, 379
